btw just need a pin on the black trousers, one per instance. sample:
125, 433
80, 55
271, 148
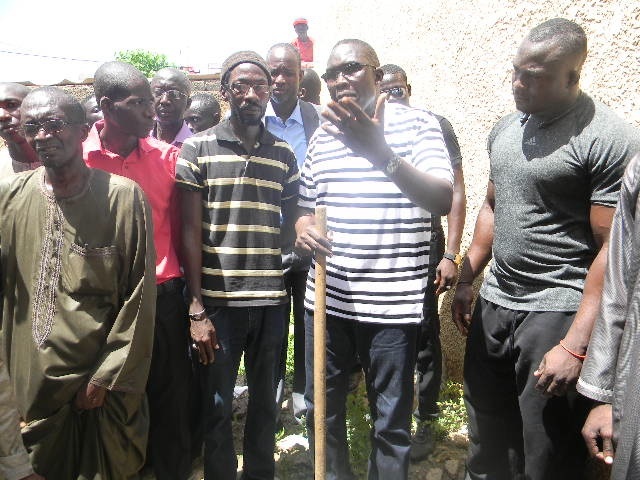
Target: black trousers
169, 451
295, 282
429, 350
515, 432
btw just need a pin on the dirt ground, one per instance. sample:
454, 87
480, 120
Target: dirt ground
294, 462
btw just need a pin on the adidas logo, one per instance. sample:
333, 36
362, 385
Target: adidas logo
531, 142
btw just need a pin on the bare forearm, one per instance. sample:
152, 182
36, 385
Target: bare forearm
192, 264
579, 333
424, 190
457, 215
479, 252
192, 245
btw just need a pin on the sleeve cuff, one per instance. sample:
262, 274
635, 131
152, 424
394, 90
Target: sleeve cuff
594, 393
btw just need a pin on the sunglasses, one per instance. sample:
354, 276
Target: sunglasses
260, 89
171, 94
50, 126
396, 92
348, 70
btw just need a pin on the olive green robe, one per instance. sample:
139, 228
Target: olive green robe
78, 280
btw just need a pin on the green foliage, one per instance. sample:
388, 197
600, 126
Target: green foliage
453, 415
359, 430
147, 62
289, 369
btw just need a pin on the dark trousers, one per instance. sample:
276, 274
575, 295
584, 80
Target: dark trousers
295, 282
429, 351
387, 354
515, 432
256, 331
169, 451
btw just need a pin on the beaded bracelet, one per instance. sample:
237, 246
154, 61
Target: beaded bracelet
571, 352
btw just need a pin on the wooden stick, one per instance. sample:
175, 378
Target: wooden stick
320, 352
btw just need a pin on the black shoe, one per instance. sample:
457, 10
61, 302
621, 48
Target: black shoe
422, 442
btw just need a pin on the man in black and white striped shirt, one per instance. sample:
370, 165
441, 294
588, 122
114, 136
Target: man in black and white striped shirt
381, 172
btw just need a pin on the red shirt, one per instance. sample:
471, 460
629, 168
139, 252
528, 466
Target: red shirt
305, 49
153, 166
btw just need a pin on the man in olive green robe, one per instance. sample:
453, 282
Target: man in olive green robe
14, 460
78, 280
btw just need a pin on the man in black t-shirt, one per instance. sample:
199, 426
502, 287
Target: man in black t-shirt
443, 270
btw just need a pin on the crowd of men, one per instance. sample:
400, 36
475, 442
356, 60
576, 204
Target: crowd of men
146, 245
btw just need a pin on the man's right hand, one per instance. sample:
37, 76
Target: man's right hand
309, 241
461, 307
205, 340
599, 427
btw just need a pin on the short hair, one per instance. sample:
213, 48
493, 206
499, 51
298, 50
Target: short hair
289, 48
175, 74
18, 88
367, 50
115, 80
72, 108
566, 34
311, 82
208, 102
391, 69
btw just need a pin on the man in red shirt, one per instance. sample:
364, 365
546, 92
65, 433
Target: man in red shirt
118, 145
303, 42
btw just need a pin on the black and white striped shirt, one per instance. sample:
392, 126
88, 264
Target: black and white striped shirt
378, 271
242, 197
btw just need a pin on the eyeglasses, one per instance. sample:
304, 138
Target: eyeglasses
171, 94
348, 70
50, 126
261, 89
396, 92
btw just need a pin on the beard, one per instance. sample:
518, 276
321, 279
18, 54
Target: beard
250, 119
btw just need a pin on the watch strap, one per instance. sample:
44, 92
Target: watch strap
454, 257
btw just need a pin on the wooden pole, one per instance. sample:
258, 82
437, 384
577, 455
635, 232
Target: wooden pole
320, 353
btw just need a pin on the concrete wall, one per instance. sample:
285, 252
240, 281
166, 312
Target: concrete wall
458, 58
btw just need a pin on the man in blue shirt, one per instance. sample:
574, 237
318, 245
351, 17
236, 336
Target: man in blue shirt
294, 121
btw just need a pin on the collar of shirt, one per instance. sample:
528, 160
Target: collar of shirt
291, 130
224, 132
94, 144
295, 116
182, 135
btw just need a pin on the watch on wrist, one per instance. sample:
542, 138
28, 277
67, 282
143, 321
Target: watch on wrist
196, 317
392, 165
454, 257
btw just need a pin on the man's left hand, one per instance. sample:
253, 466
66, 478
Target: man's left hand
90, 396
558, 371
361, 133
446, 274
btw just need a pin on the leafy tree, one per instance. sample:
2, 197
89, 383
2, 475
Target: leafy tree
147, 62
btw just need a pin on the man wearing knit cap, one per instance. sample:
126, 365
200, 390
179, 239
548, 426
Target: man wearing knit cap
303, 42
238, 181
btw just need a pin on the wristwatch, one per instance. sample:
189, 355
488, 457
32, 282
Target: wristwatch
454, 257
392, 165
196, 317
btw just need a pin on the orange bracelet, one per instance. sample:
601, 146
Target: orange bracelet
571, 352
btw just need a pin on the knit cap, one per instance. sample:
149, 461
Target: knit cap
244, 56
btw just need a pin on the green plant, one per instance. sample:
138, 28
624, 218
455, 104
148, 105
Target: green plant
359, 430
453, 415
147, 62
